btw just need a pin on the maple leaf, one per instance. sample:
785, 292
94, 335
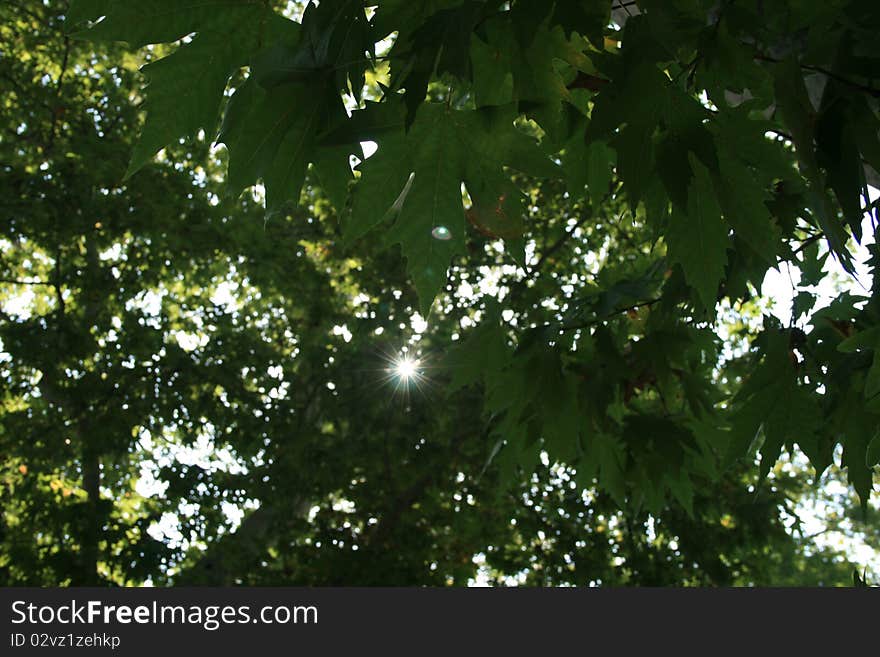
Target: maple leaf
159, 21
697, 239
270, 135
416, 177
743, 203
186, 88
794, 103
440, 45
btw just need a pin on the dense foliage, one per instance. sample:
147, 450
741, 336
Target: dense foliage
525, 337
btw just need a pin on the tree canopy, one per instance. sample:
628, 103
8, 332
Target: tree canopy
492, 304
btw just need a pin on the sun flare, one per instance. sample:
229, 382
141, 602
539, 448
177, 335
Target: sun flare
406, 368
405, 373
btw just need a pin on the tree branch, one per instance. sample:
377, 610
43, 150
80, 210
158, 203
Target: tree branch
807, 242
824, 71
619, 311
558, 244
15, 281
56, 110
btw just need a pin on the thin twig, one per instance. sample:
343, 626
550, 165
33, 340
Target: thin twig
558, 244
56, 111
57, 284
15, 281
619, 311
807, 242
824, 71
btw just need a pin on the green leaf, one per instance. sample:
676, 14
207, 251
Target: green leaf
859, 432
794, 104
553, 390
600, 162
159, 21
872, 455
838, 153
743, 138
434, 201
742, 201
623, 101
698, 240
865, 126
802, 304
441, 44
611, 459
589, 18
674, 168
812, 265
635, 160
494, 139
682, 489
334, 40
539, 54
867, 339
333, 172
404, 16
416, 177
388, 175
729, 65
271, 135
483, 352
582, 161
185, 89
774, 402
491, 65
872, 380
182, 97
793, 416
80, 11
498, 208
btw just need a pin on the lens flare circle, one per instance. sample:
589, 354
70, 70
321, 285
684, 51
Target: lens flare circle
441, 233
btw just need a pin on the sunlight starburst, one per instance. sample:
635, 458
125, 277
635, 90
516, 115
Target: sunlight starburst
406, 368
405, 372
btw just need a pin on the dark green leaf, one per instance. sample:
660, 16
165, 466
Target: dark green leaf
698, 240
